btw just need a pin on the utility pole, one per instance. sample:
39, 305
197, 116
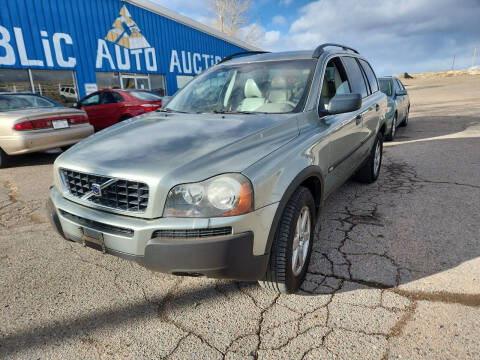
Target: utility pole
474, 58
453, 63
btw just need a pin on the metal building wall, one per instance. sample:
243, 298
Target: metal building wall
87, 22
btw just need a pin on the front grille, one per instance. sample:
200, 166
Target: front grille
118, 194
102, 227
192, 233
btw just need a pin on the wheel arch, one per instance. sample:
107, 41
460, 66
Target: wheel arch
312, 178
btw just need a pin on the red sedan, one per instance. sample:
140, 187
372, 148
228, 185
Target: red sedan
108, 107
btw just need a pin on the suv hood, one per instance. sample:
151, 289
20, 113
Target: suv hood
176, 148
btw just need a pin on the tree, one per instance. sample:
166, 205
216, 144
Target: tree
230, 16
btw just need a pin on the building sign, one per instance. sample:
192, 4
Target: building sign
90, 88
131, 50
51, 57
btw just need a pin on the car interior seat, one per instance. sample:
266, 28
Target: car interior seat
278, 90
253, 97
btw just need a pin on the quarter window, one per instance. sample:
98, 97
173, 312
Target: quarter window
357, 81
372, 79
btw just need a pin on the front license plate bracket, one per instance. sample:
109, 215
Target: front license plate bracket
94, 237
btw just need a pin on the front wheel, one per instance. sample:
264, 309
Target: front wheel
4, 159
292, 245
369, 172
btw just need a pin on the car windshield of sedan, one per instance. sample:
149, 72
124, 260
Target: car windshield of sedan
257, 87
13, 102
385, 86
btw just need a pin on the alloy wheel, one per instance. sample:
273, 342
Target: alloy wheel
301, 241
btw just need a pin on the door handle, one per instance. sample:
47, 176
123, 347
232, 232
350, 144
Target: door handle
377, 107
358, 119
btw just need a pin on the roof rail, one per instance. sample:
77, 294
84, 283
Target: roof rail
319, 50
230, 57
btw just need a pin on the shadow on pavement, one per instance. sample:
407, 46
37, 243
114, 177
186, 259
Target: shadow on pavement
33, 159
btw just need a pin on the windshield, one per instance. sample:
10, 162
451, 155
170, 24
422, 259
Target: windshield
385, 86
145, 95
12, 102
263, 87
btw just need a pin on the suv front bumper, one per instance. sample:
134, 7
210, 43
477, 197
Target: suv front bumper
240, 255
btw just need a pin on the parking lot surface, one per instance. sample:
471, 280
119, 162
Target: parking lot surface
395, 272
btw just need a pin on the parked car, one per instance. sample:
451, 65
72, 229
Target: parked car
68, 94
398, 104
108, 107
228, 179
30, 122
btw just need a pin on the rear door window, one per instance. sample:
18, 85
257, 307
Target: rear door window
357, 80
372, 79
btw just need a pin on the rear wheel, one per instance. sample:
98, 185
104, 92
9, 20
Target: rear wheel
292, 246
405, 121
125, 117
391, 135
369, 172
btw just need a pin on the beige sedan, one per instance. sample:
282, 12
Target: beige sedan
30, 123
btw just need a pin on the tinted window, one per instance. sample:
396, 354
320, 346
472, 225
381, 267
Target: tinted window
400, 85
117, 97
357, 81
396, 86
108, 98
372, 79
385, 86
334, 82
91, 100
145, 95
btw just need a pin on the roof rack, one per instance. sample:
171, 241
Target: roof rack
230, 57
319, 50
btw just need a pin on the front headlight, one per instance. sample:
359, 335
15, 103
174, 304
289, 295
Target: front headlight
223, 195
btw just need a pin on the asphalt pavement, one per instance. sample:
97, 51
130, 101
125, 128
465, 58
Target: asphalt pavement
395, 272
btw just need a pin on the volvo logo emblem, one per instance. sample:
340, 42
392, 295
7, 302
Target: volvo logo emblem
96, 190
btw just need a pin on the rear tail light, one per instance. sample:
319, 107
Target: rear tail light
151, 107
79, 119
41, 124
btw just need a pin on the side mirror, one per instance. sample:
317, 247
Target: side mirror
344, 103
401, 92
75, 105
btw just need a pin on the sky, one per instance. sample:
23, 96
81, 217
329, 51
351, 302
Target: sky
396, 36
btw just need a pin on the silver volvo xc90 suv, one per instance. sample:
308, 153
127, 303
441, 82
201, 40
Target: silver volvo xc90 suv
227, 180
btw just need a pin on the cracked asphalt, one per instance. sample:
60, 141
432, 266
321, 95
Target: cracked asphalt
395, 269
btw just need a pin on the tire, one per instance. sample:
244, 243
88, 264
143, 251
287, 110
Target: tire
65, 148
405, 121
369, 172
393, 130
282, 275
4, 159
125, 117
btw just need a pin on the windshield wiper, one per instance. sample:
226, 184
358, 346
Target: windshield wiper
235, 112
167, 110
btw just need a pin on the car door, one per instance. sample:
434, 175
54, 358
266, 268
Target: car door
405, 101
110, 106
399, 100
371, 117
344, 130
91, 105
364, 117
